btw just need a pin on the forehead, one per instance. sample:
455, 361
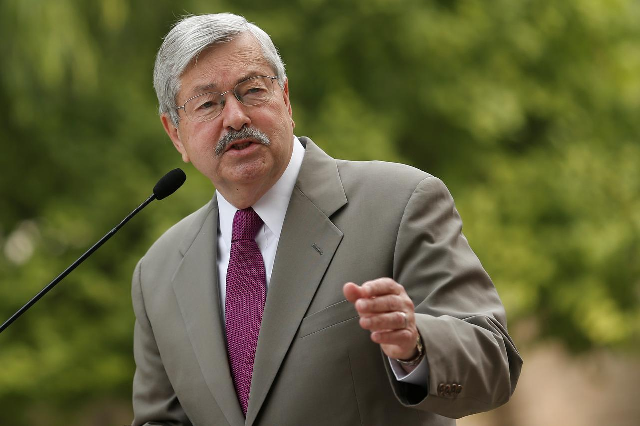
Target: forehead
220, 66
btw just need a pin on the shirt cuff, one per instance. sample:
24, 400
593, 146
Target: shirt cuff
419, 376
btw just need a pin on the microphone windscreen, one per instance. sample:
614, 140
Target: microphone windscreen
169, 183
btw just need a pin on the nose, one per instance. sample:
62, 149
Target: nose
234, 115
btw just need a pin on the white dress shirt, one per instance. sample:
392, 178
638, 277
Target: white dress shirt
272, 208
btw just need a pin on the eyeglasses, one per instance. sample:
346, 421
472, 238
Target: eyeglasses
251, 91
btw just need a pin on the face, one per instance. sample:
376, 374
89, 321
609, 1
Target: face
241, 175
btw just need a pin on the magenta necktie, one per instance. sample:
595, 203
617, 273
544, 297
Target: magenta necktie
244, 303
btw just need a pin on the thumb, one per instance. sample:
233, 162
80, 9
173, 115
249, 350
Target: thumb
352, 292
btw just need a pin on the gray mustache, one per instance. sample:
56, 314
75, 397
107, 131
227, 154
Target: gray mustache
244, 133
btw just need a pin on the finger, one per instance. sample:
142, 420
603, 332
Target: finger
381, 287
352, 292
386, 322
388, 303
404, 338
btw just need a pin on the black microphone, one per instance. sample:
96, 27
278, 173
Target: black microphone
169, 184
166, 186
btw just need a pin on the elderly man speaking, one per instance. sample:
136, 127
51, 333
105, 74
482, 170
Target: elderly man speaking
309, 290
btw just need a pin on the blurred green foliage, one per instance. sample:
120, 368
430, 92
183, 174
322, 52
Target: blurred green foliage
528, 110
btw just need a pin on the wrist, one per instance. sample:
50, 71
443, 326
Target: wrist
415, 360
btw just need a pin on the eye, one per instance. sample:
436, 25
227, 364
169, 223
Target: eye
205, 104
254, 89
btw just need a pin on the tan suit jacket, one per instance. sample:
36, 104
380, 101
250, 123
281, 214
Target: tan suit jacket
314, 365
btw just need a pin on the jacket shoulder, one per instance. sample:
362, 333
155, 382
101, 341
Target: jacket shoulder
380, 176
180, 233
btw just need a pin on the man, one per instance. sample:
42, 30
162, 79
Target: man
309, 291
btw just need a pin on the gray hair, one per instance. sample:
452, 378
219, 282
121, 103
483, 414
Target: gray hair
190, 36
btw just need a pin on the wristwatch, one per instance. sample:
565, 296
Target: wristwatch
416, 359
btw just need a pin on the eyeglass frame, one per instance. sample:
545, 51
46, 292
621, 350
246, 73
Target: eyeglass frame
222, 94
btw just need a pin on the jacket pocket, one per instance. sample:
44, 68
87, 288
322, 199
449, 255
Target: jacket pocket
326, 318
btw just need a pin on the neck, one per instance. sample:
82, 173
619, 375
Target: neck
240, 197
245, 194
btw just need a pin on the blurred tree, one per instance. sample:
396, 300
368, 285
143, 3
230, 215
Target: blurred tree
527, 110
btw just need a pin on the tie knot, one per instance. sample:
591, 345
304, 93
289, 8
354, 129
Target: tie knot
246, 224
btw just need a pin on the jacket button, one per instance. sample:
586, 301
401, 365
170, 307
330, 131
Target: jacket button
440, 389
447, 390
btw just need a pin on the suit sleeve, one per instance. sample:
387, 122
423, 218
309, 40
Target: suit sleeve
154, 400
473, 364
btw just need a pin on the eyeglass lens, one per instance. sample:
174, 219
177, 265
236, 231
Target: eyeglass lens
250, 92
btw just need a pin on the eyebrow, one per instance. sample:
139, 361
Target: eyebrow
212, 87
203, 88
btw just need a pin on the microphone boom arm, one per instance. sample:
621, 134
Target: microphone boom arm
75, 264
166, 186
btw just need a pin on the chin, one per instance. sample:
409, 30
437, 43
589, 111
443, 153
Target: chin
255, 171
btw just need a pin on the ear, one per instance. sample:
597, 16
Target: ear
174, 134
285, 96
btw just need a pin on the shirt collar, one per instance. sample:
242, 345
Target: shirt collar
272, 207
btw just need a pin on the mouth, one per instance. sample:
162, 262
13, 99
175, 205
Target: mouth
247, 138
239, 145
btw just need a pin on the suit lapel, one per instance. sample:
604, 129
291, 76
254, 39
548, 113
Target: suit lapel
307, 244
195, 284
